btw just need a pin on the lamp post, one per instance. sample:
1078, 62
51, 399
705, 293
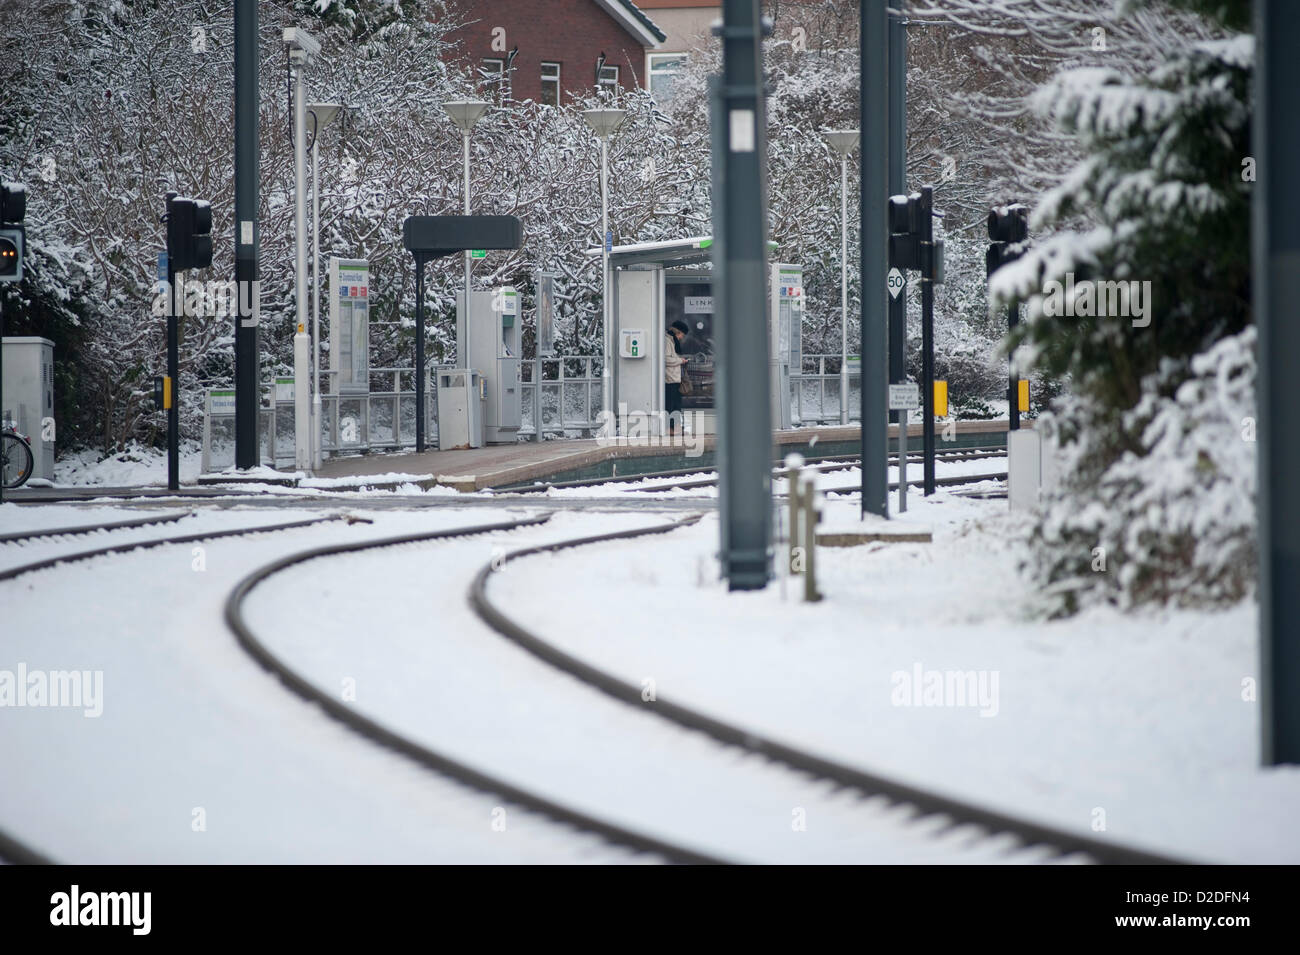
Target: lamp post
604, 123
303, 49
465, 114
322, 115
843, 141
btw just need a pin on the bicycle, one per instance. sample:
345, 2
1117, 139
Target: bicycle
16, 459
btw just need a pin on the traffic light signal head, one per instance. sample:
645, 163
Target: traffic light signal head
13, 203
905, 227
189, 239
11, 255
1009, 223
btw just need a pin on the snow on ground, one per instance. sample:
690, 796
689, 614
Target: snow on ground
401, 631
198, 754
136, 466
1133, 722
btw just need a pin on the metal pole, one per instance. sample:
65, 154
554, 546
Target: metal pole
3, 422
897, 187
927, 336
1013, 380
873, 177
606, 373
740, 267
301, 373
315, 301
844, 288
247, 184
419, 351
173, 374
464, 360
1276, 229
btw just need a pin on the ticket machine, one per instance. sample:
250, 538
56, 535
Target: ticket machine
785, 326
487, 339
349, 326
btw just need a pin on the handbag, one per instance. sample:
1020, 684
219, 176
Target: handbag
685, 387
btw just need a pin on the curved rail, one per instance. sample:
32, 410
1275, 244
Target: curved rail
929, 803
9, 573
92, 528
423, 755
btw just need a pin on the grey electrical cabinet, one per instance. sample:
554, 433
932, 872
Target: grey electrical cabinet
28, 399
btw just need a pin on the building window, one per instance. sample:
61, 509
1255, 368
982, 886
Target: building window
551, 84
493, 73
662, 69
607, 81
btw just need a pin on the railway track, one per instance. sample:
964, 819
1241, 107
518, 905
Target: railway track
825, 464
13, 850
20, 536
10, 573
423, 755
950, 812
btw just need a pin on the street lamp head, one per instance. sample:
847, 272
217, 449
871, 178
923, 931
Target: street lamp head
325, 113
604, 122
465, 113
842, 141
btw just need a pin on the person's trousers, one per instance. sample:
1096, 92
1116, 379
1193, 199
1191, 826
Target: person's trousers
673, 404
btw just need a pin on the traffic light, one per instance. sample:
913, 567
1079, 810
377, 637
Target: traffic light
13, 203
905, 231
1008, 225
13, 207
189, 239
11, 255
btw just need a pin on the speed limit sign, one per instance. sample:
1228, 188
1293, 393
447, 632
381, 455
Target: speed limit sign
894, 281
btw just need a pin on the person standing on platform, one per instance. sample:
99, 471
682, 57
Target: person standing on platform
673, 370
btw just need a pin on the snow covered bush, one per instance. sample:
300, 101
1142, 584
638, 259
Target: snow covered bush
1172, 521
1157, 501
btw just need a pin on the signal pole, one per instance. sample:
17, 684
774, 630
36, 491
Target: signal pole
170, 390
873, 171
740, 266
247, 184
927, 335
1276, 241
898, 187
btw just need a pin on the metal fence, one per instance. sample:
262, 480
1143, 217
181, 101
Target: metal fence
570, 396
384, 419
816, 391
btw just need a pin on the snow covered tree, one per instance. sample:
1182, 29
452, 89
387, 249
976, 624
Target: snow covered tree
1149, 507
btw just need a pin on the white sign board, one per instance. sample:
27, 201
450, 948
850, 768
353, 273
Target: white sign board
895, 282
221, 402
698, 304
904, 397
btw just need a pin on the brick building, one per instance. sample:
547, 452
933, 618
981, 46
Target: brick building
546, 49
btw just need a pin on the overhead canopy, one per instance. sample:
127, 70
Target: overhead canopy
669, 254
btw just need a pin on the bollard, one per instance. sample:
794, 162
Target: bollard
793, 470
810, 498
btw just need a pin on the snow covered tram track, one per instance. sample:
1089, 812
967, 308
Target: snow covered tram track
13, 852
419, 753
951, 813
10, 573
79, 530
